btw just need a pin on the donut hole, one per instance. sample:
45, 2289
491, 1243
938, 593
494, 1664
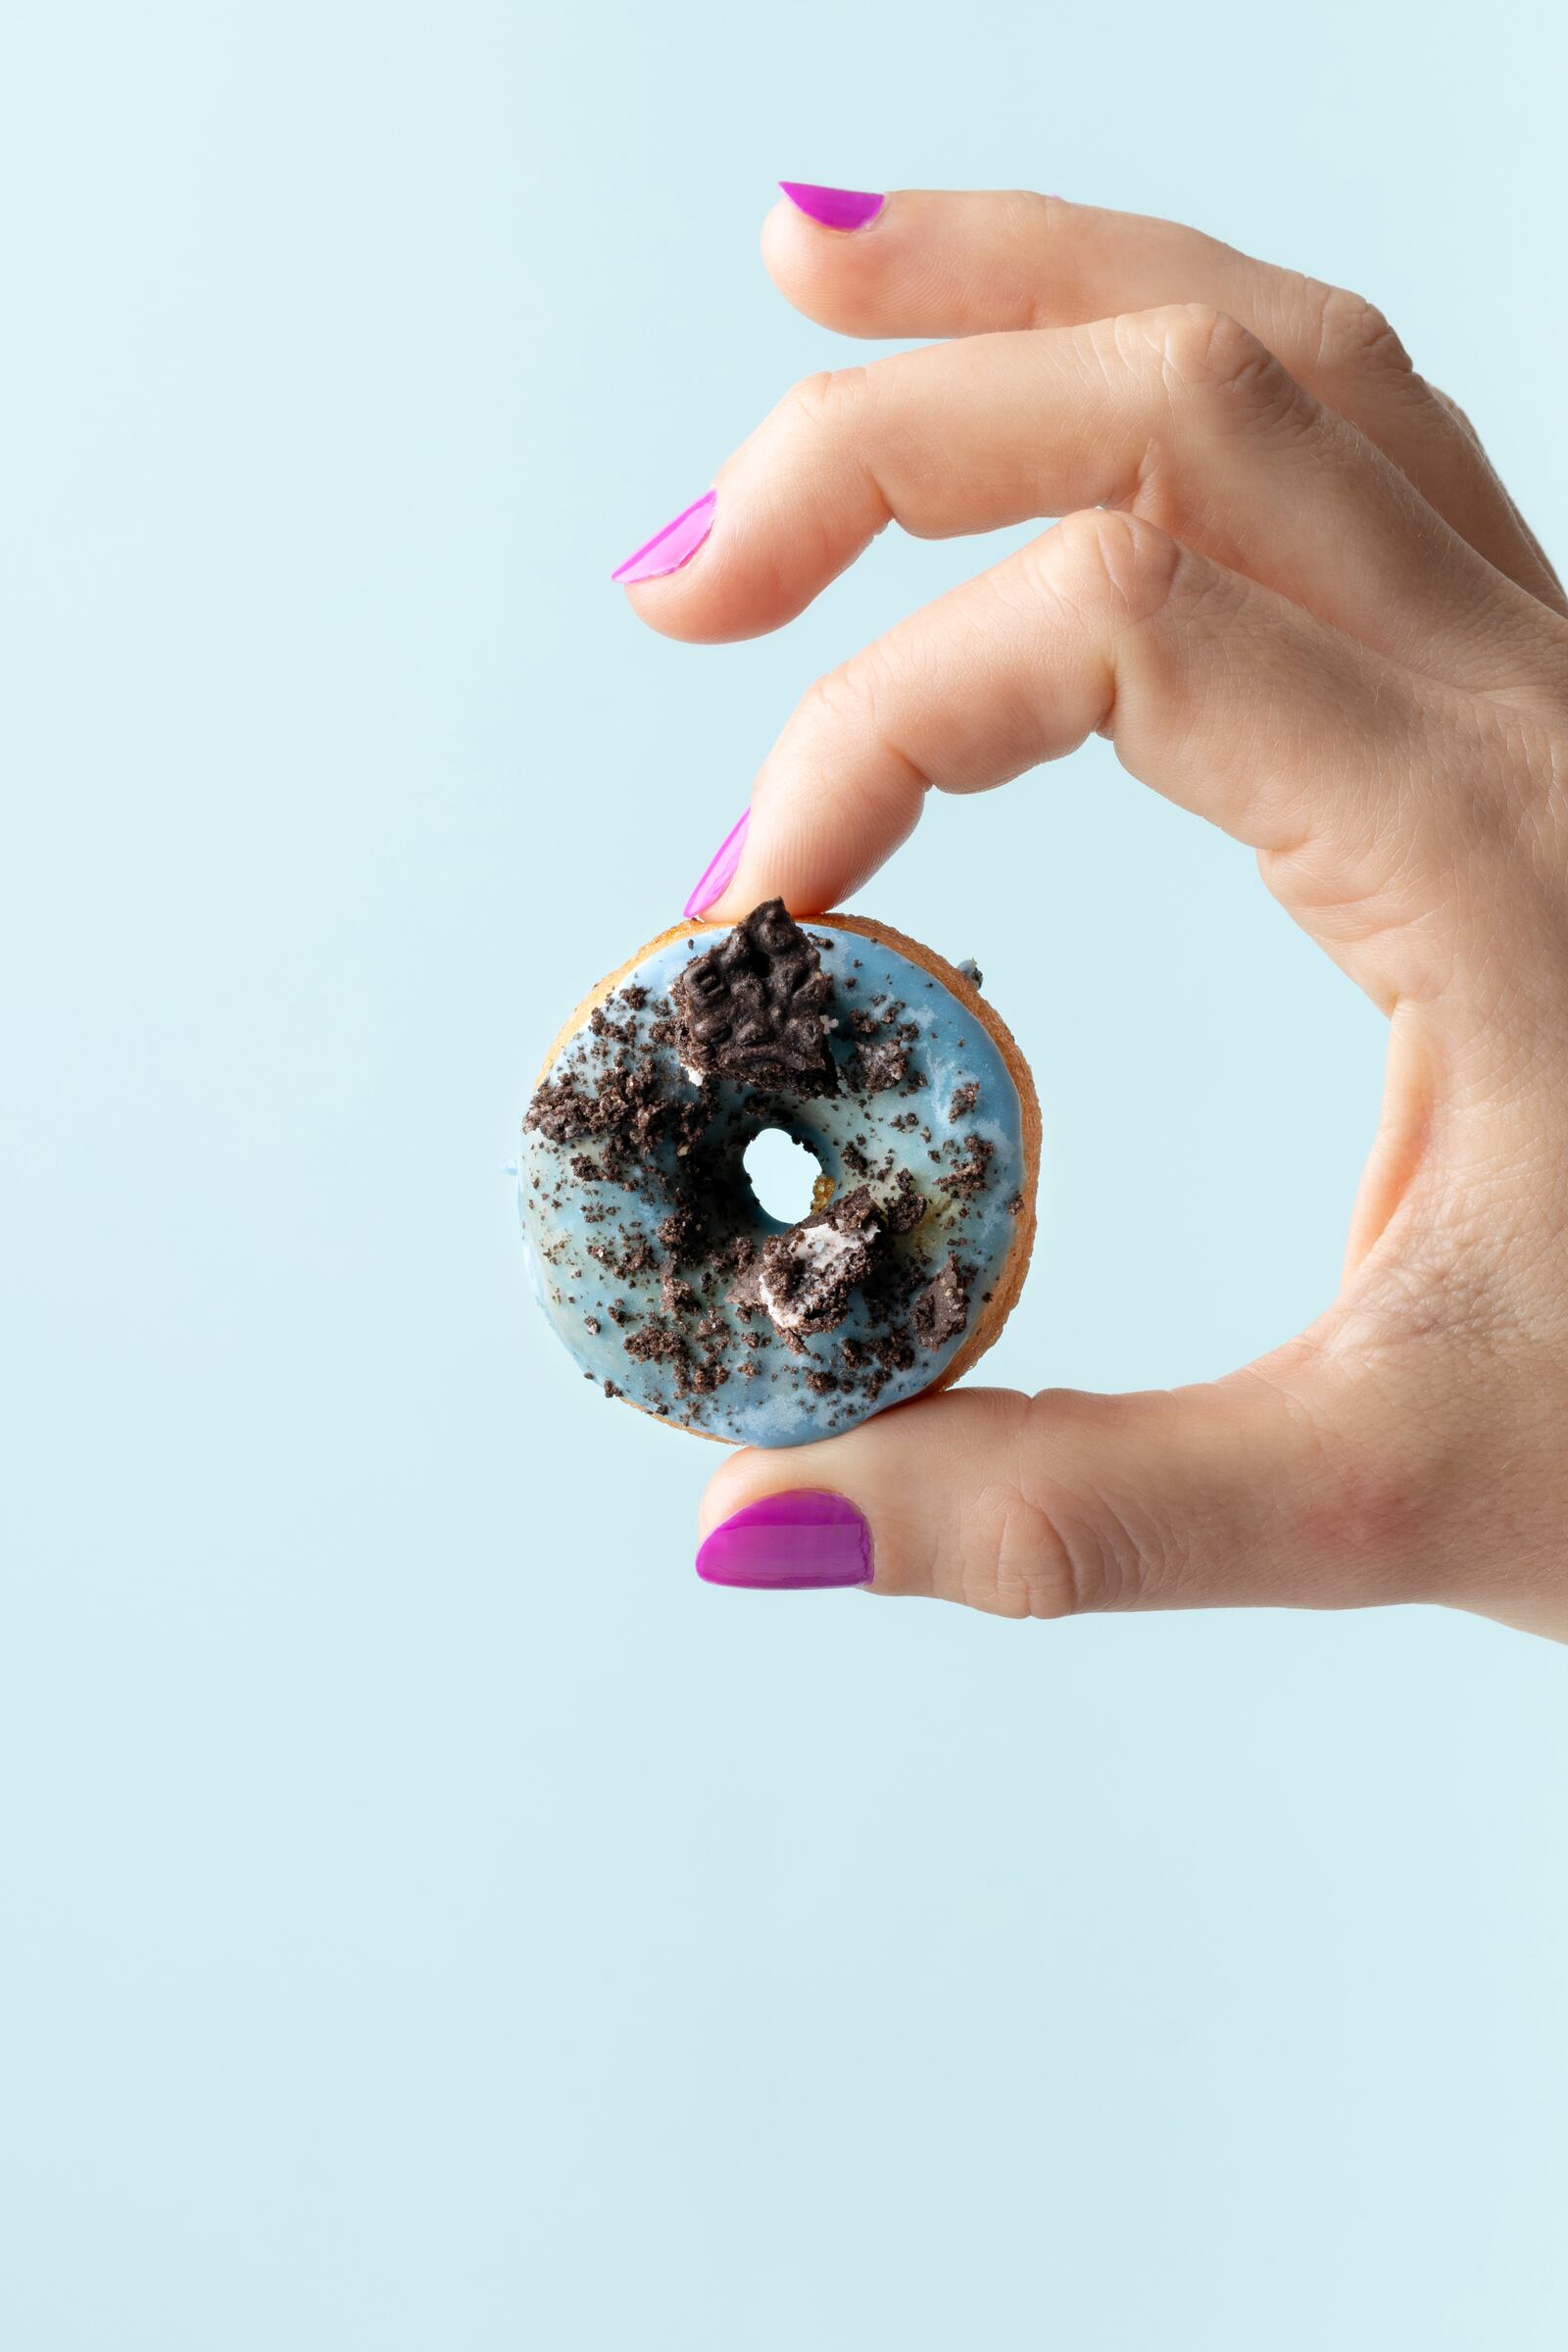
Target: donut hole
783, 1173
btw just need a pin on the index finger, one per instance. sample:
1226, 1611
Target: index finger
941, 262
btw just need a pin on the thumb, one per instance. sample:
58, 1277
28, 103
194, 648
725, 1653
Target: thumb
1244, 1491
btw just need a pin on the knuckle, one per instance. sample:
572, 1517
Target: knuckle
1208, 379
829, 401
1206, 355
833, 702
1012, 1559
1028, 218
1030, 208
1457, 416
1106, 1564
1201, 345
848, 701
860, 710
1351, 334
1036, 1542
1105, 565
1015, 1562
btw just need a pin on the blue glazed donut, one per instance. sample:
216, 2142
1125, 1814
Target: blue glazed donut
646, 1244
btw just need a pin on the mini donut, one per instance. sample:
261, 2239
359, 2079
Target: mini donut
647, 1249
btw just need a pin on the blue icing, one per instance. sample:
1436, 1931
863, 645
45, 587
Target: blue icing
565, 1219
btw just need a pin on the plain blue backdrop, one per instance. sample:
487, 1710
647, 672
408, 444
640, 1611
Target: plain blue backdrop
430, 1918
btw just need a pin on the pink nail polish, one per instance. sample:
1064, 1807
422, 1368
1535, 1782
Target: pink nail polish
720, 871
674, 546
844, 209
799, 1543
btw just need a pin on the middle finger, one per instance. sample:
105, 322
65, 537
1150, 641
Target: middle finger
1178, 414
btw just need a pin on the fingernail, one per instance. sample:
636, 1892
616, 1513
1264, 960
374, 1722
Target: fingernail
674, 546
790, 1544
720, 871
833, 208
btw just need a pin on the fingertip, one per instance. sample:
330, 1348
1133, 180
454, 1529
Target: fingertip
812, 869
754, 884
756, 875
781, 223
698, 610
782, 1521
829, 275
734, 574
671, 609
904, 1474
791, 255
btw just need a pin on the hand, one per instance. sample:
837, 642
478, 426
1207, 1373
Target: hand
1292, 590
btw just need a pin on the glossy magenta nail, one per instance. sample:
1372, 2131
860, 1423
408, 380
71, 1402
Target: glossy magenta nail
833, 208
674, 546
806, 1541
720, 871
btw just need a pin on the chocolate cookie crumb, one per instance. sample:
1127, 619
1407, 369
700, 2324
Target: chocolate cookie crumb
908, 1206
677, 1295
629, 1108
875, 1069
942, 1309
681, 1234
656, 1343
970, 1175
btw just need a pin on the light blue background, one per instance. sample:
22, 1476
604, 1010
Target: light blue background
431, 1919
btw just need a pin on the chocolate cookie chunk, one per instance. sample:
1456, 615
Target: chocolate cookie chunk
755, 1008
807, 1276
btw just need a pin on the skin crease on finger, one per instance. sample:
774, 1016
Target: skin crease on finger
1411, 815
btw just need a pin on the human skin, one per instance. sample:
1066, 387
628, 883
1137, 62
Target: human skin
1291, 589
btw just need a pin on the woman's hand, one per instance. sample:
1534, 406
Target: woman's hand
1292, 590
